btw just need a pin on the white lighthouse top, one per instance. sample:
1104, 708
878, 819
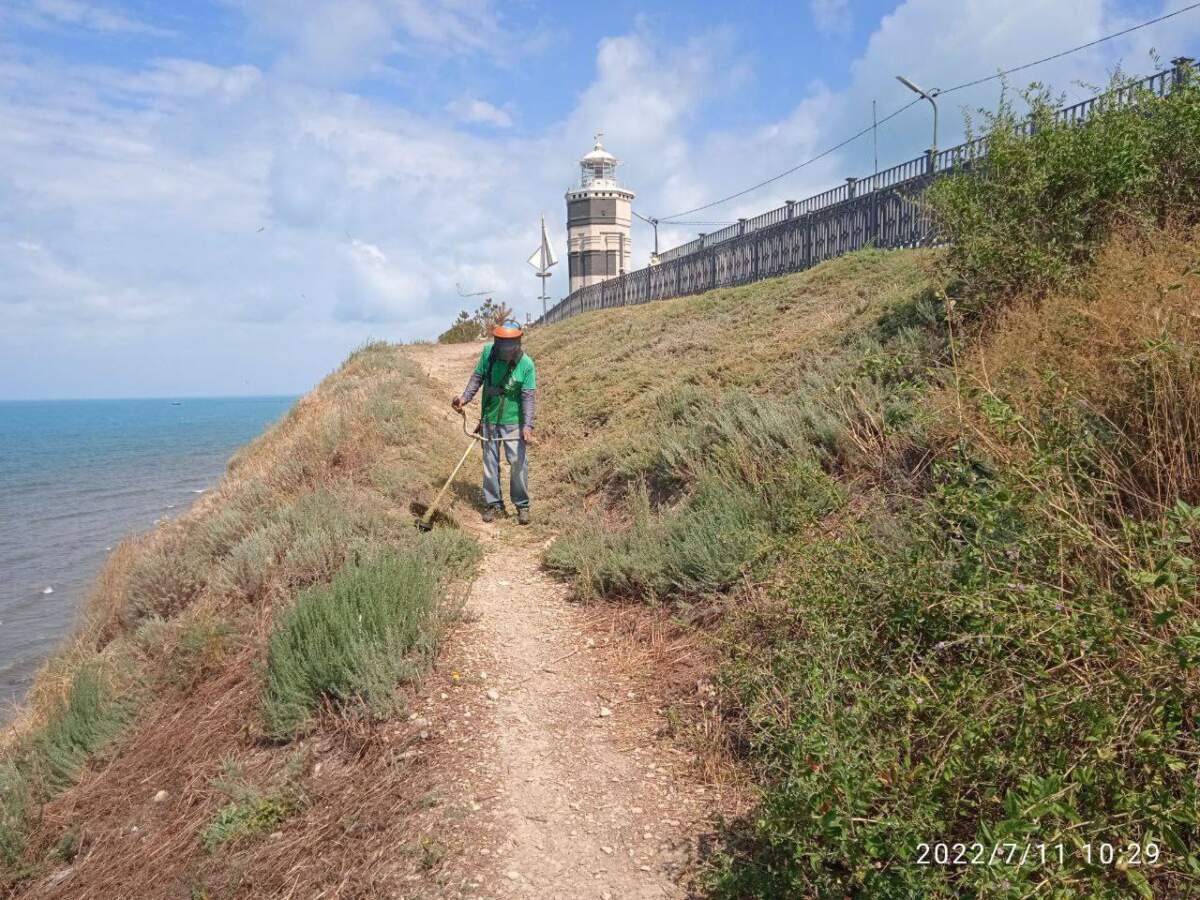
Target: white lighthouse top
598, 168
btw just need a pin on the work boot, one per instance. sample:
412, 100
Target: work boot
523, 515
492, 513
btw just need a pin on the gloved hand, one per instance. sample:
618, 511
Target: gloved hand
527, 434
456, 402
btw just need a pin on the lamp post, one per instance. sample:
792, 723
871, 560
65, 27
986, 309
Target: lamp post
912, 87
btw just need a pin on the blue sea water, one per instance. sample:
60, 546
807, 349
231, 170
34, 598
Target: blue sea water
76, 476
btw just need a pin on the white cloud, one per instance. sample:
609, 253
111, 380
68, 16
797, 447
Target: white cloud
336, 39
377, 289
185, 79
831, 17
479, 112
77, 14
256, 223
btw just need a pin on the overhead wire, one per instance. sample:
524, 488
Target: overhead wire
667, 220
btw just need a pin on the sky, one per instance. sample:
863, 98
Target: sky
225, 198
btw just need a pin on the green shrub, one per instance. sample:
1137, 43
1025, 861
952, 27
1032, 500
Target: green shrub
249, 565
1031, 215
726, 528
219, 532
50, 759
355, 638
463, 329
327, 526
990, 676
87, 720
476, 326
15, 801
251, 816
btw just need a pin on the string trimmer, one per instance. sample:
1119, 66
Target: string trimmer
425, 522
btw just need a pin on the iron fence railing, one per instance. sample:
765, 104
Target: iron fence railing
882, 210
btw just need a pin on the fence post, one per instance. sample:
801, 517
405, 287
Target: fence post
1183, 67
791, 204
929, 158
851, 183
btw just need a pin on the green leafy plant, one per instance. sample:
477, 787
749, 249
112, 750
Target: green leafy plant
354, 639
1031, 214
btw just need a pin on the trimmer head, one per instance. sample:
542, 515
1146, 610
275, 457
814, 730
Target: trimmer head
423, 521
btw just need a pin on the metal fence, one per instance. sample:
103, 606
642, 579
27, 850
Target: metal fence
883, 210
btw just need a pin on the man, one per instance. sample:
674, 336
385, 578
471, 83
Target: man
509, 384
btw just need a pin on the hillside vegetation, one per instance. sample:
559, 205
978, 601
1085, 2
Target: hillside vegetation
284, 609
938, 511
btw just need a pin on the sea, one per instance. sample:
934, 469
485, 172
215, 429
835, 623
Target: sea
76, 476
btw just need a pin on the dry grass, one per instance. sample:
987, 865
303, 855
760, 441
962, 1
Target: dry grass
1125, 351
671, 662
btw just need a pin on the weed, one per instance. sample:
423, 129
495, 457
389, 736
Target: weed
201, 649
251, 811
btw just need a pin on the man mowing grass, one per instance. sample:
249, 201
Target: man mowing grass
509, 384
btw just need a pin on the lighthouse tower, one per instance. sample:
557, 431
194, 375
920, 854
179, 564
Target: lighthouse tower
598, 219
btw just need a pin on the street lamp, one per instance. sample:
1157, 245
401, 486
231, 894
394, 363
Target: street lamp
912, 87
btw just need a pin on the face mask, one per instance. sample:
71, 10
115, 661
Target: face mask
507, 349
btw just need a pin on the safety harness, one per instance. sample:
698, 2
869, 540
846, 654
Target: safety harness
490, 390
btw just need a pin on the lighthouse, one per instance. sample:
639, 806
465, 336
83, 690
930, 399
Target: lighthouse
598, 220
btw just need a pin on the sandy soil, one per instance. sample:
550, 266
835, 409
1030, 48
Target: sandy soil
555, 770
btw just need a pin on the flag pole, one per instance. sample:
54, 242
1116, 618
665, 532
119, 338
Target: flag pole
544, 272
545, 259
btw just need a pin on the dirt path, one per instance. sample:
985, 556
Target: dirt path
554, 767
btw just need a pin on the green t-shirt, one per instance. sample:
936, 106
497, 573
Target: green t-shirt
523, 378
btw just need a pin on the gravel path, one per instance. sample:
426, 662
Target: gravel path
553, 765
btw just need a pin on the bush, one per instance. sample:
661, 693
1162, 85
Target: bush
990, 676
87, 719
464, 329
1031, 215
165, 579
353, 639
247, 569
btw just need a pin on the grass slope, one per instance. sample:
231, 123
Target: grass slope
947, 526
290, 602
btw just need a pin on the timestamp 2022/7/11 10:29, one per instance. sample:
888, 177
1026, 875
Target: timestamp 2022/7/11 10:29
1013, 853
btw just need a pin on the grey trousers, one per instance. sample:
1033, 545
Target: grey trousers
518, 468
